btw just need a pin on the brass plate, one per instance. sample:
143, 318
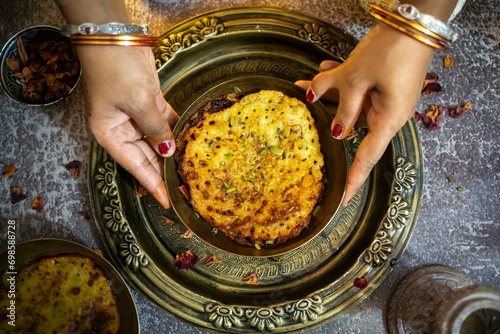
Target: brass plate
27, 252
335, 170
300, 289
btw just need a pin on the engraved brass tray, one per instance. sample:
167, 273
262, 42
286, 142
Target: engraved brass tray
300, 289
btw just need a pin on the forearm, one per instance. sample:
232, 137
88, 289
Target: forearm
95, 11
441, 9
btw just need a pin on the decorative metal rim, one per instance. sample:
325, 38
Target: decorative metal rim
393, 199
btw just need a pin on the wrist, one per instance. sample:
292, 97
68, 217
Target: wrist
95, 11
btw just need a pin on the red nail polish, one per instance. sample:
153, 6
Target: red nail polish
165, 147
337, 131
310, 95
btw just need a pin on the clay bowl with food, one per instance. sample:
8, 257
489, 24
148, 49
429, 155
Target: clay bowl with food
64, 278
39, 66
334, 172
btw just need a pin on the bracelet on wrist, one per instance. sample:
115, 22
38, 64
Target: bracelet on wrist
435, 34
440, 28
111, 28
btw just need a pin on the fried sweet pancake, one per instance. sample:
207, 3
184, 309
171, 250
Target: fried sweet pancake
252, 165
62, 294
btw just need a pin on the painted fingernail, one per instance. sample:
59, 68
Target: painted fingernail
165, 147
337, 131
310, 95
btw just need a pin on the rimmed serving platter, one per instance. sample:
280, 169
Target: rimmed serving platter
298, 290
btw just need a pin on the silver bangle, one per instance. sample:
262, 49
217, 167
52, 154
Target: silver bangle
111, 28
436, 26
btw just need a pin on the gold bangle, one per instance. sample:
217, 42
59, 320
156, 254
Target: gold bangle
413, 24
124, 40
418, 37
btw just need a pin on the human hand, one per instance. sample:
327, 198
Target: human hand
378, 86
124, 103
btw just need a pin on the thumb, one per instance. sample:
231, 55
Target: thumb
156, 126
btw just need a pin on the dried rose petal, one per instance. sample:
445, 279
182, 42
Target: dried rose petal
168, 221
418, 116
354, 133
183, 189
252, 278
74, 168
447, 62
46, 72
9, 170
431, 77
37, 204
17, 194
99, 252
457, 111
432, 87
84, 215
360, 282
185, 260
211, 260
187, 235
433, 116
141, 191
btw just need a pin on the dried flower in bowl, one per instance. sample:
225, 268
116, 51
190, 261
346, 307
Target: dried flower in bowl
39, 66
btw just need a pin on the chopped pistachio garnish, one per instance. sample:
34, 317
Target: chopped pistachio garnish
460, 189
257, 246
269, 242
232, 121
236, 90
276, 150
263, 151
230, 190
316, 210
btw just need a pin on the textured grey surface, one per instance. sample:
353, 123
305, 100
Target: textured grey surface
458, 229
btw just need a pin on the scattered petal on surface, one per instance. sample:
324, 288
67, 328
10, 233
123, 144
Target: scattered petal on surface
211, 260
168, 221
185, 260
252, 278
141, 191
360, 282
183, 189
447, 62
457, 111
433, 116
84, 215
17, 194
187, 235
73, 168
9, 170
37, 204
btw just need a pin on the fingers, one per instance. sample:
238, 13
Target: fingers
368, 154
139, 159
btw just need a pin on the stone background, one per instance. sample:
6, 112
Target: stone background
457, 229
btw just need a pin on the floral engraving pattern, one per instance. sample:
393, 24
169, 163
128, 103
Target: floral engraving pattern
317, 34
265, 318
113, 218
174, 43
397, 215
405, 175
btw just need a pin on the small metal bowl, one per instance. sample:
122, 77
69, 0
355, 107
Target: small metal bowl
35, 36
335, 164
27, 252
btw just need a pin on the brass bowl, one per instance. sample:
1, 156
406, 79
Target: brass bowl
332, 149
34, 36
29, 251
